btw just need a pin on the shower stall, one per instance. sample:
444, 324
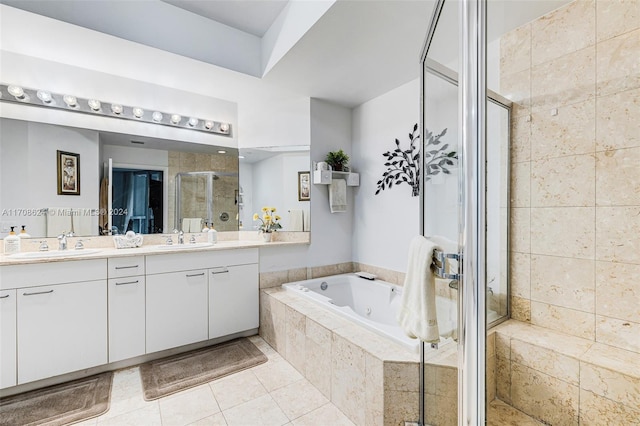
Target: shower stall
206, 198
539, 101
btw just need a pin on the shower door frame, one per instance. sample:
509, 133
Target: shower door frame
472, 214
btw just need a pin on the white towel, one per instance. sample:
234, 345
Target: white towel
82, 223
306, 226
296, 221
58, 221
191, 224
338, 195
417, 315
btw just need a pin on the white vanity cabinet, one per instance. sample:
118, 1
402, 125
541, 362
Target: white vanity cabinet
7, 338
61, 317
126, 295
233, 299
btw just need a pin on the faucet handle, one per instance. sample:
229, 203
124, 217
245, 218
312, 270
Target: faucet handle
43, 245
192, 240
169, 240
79, 245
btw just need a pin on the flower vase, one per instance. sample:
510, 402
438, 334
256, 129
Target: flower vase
266, 236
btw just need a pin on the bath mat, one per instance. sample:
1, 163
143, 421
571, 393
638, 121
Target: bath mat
60, 404
178, 372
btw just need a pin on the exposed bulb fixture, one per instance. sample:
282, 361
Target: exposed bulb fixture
138, 112
193, 122
70, 100
94, 104
208, 124
157, 117
16, 91
241, 156
175, 118
222, 151
224, 127
117, 109
44, 96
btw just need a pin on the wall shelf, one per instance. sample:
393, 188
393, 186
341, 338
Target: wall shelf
324, 177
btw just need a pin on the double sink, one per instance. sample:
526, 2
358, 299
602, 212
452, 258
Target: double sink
85, 252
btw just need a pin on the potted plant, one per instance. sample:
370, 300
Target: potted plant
268, 222
337, 160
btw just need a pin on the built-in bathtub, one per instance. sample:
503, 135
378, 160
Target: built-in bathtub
372, 303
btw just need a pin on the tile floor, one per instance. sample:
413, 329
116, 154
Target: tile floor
270, 394
273, 394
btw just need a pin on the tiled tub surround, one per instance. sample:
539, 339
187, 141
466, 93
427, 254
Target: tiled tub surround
371, 379
574, 77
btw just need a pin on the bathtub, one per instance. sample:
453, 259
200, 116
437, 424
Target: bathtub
372, 304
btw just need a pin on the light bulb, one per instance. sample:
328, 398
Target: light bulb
70, 100
157, 116
193, 122
16, 91
224, 127
116, 109
138, 112
44, 96
175, 118
94, 104
208, 124
222, 151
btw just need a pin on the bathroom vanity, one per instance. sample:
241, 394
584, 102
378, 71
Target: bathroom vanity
63, 315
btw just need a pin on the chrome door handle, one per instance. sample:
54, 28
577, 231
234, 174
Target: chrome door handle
37, 292
4, 297
224, 271
195, 275
128, 282
126, 267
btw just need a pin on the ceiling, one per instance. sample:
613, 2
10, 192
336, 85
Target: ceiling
356, 50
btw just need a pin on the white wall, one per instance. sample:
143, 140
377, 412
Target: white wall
385, 223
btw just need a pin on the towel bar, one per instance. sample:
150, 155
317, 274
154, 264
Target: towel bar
439, 264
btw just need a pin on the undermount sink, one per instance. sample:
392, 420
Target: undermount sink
183, 246
48, 254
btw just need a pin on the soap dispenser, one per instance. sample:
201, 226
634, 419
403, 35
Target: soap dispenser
23, 233
205, 228
11, 243
212, 235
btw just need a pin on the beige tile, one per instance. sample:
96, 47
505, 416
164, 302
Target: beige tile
521, 230
318, 358
126, 393
582, 324
272, 322
616, 17
563, 81
348, 379
618, 177
617, 120
273, 279
328, 414
563, 182
565, 30
188, 406
520, 145
520, 269
615, 359
521, 184
236, 389
623, 334
567, 130
149, 415
517, 88
503, 379
515, 50
618, 234
262, 411
276, 374
501, 414
563, 231
546, 360
598, 411
610, 384
563, 281
544, 397
560, 342
374, 384
295, 342
215, 420
521, 309
618, 290
400, 407
618, 68
503, 345
298, 398
441, 410
298, 274
490, 385
401, 376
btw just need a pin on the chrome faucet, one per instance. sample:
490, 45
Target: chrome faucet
62, 241
181, 237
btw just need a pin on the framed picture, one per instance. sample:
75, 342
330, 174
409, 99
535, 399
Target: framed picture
304, 186
68, 173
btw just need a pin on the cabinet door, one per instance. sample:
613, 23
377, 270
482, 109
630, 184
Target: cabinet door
233, 299
61, 328
7, 338
126, 318
176, 309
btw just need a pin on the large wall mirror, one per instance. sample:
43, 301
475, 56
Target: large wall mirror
158, 185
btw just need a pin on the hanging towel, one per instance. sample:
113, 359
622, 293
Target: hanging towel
296, 222
338, 195
104, 193
191, 224
81, 223
58, 221
306, 226
417, 314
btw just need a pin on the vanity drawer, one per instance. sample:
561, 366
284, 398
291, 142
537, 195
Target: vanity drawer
46, 273
163, 263
119, 267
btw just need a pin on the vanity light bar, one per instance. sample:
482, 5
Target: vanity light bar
43, 98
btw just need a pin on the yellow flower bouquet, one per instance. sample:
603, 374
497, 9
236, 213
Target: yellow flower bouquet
269, 220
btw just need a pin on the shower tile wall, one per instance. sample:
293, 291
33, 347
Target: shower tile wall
197, 162
574, 75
